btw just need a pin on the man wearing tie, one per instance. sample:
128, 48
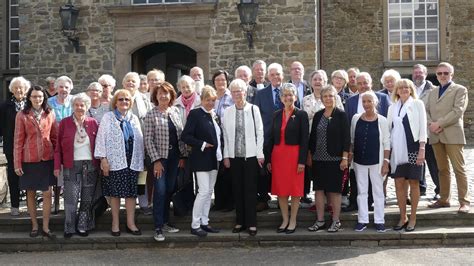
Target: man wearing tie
302, 88
268, 101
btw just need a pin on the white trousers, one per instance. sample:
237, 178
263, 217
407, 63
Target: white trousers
363, 173
202, 203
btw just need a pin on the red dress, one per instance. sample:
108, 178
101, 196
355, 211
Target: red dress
285, 179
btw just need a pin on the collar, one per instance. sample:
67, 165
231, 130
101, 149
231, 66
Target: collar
446, 86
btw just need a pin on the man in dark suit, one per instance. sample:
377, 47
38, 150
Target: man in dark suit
258, 73
423, 89
354, 106
268, 101
302, 88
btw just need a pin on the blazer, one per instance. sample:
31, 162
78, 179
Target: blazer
253, 83
426, 92
448, 110
264, 102
199, 129
110, 144
253, 128
416, 117
353, 102
296, 132
64, 151
338, 136
7, 125
34, 142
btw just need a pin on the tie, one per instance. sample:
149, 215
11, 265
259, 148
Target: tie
278, 103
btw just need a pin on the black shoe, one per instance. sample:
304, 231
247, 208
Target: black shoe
290, 231
307, 200
236, 230
135, 233
436, 197
82, 233
209, 229
34, 233
282, 230
410, 228
115, 233
68, 235
198, 232
350, 208
423, 193
49, 235
252, 232
400, 227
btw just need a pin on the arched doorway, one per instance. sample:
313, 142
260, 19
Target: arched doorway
173, 58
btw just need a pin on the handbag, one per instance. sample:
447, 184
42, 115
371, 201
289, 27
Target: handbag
345, 176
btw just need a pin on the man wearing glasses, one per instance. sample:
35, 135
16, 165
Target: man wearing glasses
445, 110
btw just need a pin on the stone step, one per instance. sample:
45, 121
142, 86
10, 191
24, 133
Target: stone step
422, 236
268, 219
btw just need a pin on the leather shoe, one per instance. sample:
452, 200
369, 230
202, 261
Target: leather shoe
236, 229
410, 228
400, 227
282, 230
115, 233
439, 204
252, 232
290, 231
133, 232
49, 235
198, 232
82, 233
209, 229
464, 208
68, 235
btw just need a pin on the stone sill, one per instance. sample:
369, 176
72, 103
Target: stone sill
397, 64
162, 9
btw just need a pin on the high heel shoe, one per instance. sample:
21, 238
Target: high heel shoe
236, 229
410, 228
49, 235
133, 232
290, 231
400, 227
115, 233
282, 230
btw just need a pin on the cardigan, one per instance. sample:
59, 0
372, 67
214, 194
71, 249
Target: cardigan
416, 117
253, 128
296, 132
110, 144
338, 135
7, 125
34, 142
178, 103
64, 152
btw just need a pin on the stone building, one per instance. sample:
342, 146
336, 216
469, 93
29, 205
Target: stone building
117, 36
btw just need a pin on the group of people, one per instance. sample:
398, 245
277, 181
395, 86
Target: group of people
241, 140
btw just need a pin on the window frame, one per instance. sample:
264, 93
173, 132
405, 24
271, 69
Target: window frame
9, 42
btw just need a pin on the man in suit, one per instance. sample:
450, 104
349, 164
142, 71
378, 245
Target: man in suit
302, 88
354, 106
258, 73
423, 89
445, 108
268, 101
244, 73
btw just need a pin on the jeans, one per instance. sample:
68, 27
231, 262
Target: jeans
164, 187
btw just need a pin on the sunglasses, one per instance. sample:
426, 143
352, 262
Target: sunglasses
442, 73
123, 99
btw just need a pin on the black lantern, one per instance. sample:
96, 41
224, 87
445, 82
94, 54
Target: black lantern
248, 10
69, 14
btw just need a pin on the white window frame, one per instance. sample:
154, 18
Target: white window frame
147, 2
10, 29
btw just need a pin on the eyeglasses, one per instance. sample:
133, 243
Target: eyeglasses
443, 73
123, 99
37, 96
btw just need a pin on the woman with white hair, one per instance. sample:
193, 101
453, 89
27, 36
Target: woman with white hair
108, 85
8, 110
61, 103
74, 152
388, 80
97, 108
189, 99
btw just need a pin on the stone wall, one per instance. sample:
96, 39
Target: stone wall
285, 32
45, 51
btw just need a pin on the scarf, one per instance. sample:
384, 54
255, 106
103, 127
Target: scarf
19, 105
398, 137
188, 103
125, 126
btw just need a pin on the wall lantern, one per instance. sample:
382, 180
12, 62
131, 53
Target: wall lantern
248, 10
69, 14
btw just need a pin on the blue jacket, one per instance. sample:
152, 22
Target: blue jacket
352, 102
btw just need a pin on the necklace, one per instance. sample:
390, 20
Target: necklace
81, 133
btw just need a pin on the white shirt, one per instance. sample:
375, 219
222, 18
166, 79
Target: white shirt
419, 90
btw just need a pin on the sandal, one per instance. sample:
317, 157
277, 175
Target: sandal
34, 233
318, 225
49, 235
335, 226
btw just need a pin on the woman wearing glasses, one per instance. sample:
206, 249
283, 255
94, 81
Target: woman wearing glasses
119, 146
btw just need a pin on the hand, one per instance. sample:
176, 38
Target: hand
56, 173
384, 168
420, 159
269, 167
226, 163
435, 127
19, 172
182, 163
261, 161
343, 165
300, 168
104, 166
157, 169
208, 145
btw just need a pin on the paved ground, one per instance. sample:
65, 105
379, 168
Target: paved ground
249, 256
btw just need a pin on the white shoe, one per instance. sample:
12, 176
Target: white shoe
344, 201
159, 235
170, 228
15, 212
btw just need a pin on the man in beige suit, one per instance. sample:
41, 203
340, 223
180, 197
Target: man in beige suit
445, 110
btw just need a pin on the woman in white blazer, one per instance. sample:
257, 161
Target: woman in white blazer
407, 122
370, 148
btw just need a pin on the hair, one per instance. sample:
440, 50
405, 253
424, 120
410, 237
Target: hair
167, 87
29, 104
422, 67
321, 72
83, 97
218, 73
288, 87
243, 68
63, 79
390, 73
94, 85
108, 79
448, 65
366, 75
404, 83
134, 75
239, 84
259, 62
353, 69
275, 66
157, 72
142, 77
342, 73
329, 89
196, 68
372, 95
185, 78
113, 102
208, 92
49, 79
24, 82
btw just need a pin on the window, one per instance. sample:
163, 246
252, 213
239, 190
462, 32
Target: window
413, 30
13, 36
151, 2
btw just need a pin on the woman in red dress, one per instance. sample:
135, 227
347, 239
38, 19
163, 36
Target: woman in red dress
289, 142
